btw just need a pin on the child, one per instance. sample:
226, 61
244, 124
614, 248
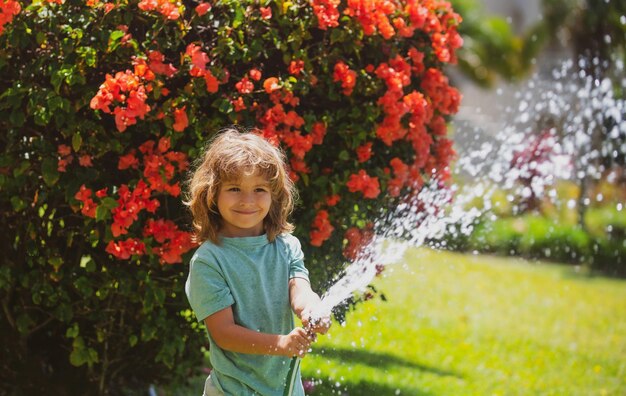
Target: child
248, 274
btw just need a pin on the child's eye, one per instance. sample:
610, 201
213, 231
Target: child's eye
261, 190
234, 189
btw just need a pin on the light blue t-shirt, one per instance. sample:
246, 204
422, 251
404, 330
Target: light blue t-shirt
251, 275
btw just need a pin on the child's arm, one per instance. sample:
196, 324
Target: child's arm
303, 302
235, 338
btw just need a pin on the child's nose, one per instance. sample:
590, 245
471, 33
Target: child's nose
248, 197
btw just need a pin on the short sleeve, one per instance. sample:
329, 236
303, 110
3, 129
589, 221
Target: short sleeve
296, 258
206, 289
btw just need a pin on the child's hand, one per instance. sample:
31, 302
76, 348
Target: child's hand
295, 343
318, 325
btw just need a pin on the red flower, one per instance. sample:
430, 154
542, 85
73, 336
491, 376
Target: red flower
160, 229
164, 7
333, 200
271, 84
83, 193
357, 240
364, 183
298, 165
128, 91
417, 58
402, 28
171, 251
8, 9
401, 175
444, 98
321, 229
318, 131
129, 206
102, 192
199, 59
212, 84
89, 206
238, 104
64, 150
173, 242
123, 250
296, 67
85, 160
255, 74
128, 161
266, 12
164, 144
180, 119
299, 145
157, 66
63, 163
347, 77
245, 86
326, 13
364, 152
203, 8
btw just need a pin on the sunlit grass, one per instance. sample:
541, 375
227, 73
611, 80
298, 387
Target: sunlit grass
478, 325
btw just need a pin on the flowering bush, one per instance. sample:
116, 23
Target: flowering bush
105, 104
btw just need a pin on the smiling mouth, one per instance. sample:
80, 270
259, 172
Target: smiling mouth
245, 212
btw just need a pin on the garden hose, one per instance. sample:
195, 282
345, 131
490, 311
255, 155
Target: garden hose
292, 375
295, 365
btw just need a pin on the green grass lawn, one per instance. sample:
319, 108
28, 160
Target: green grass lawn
478, 325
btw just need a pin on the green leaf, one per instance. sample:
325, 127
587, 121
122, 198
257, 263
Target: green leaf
5, 278
101, 335
109, 203
77, 141
24, 165
81, 354
132, 340
64, 312
114, 40
17, 117
24, 323
102, 213
49, 171
40, 37
223, 105
239, 16
148, 332
54, 103
87, 263
83, 285
56, 262
72, 332
18, 203
89, 55
56, 79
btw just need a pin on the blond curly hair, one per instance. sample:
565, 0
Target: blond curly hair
229, 156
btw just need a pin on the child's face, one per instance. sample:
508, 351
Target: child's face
243, 204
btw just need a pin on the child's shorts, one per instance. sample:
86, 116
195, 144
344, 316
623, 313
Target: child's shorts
210, 389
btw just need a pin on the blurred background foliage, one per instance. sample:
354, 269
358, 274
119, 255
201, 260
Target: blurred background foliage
584, 222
